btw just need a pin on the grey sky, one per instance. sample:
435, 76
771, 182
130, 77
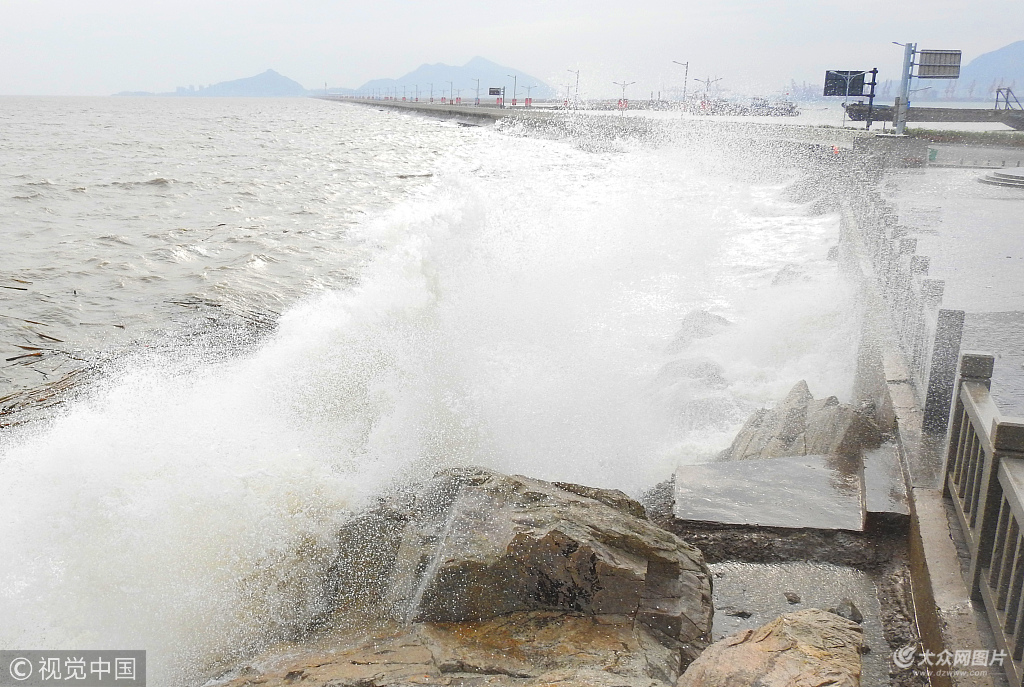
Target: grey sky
98, 47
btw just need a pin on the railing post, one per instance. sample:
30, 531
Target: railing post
949, 331
974, 367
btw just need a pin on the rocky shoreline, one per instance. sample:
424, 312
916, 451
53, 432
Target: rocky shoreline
472, 577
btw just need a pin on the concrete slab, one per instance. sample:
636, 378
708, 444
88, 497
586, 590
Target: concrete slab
885, 488
821, 492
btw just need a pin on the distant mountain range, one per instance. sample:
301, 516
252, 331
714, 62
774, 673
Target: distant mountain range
270, 84
478, 71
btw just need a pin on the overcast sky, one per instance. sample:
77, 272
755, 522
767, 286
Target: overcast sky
98, 47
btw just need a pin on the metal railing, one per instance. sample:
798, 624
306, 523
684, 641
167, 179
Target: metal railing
984, 477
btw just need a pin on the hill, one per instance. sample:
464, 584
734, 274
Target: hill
269, 84
463, 78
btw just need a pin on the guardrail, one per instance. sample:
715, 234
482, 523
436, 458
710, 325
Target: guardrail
929, 336
984, 478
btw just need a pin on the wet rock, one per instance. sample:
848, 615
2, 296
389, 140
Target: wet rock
618, 500
708, 372
697, 324
847, 609
792, 597
802, 426
527, 649
790, 274
801, 649
483, 554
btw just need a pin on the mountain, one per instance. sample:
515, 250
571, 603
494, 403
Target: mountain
269, 84
464, 78
980, 78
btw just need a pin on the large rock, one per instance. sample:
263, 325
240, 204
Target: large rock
471, 544
527, 649
473, 573
807, 648
803, 426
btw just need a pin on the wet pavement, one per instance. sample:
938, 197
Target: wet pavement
973, 234
748, 595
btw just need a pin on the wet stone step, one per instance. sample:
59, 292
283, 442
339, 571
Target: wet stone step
885, 488
819, 492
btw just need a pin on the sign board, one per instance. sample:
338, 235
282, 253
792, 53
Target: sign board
844, 83
938, 64
493, 91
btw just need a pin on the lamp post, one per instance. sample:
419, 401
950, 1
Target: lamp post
576, 100
417, 93
622, 109
528, 90
431, 92
847, 78
686, 77
477, 101
514, 80
451, 91
708, 82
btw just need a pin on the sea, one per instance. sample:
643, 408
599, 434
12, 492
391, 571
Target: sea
262, 314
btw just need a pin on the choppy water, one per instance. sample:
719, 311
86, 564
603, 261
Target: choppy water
517, 309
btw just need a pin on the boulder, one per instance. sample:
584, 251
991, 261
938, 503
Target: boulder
527, 582
528, 649
806, 648
802, 426
471, 544
696, 324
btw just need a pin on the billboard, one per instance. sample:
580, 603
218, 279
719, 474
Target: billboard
938, 64
836, 82
493, 91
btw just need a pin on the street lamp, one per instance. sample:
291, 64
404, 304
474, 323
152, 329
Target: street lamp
622, 110
576, 101
686, 78
708, 82
451, 90
514, 79
431, 92
848, 77
529, 89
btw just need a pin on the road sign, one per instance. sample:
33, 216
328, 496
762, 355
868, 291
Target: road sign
836, 82
938, 64
493, 91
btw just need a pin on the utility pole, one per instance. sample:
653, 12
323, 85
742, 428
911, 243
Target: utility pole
622, 103
576, 101
903, 101
686, 77
514, 78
